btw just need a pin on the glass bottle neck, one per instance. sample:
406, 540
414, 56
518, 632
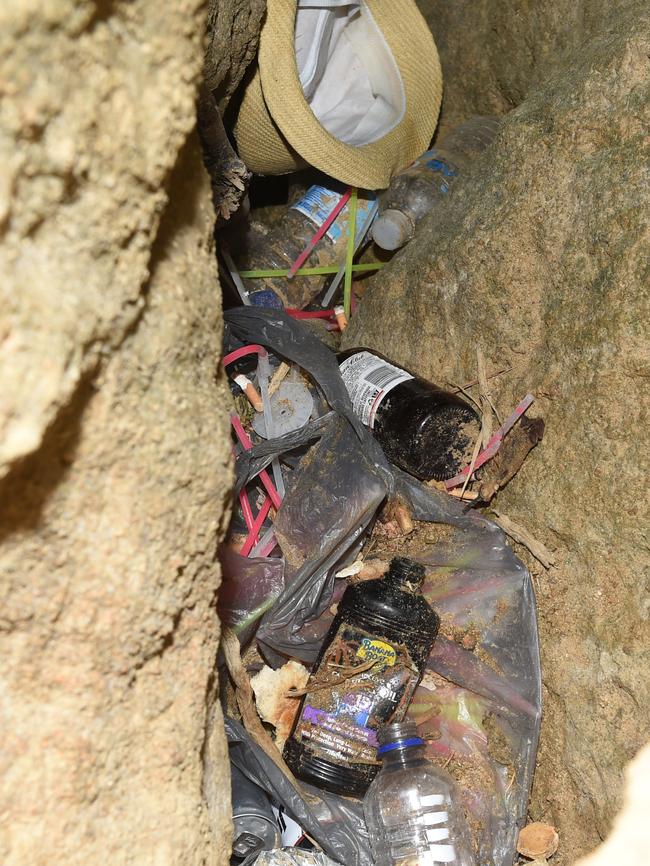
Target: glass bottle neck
397, 759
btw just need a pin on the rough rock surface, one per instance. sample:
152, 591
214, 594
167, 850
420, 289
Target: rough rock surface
540, 258
114, 456
85, 153
494, 53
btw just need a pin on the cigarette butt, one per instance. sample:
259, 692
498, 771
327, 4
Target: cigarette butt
403, 518
341, 318
458, 493
251, 392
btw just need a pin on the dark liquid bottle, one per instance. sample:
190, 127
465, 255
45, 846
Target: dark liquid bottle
386, 629
425, 430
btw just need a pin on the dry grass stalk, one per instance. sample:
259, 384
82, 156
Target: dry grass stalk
523, 536
485, 408
246, 702
278, 377
345, 673
463, 390
484, 397
475, 381
477, 448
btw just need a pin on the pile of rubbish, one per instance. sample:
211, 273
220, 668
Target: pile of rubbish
309, 255
380, 664
371, 619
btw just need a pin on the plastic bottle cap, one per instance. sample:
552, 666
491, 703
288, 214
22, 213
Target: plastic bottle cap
405, 571
392, 229
398, 735
400, 744
266, 298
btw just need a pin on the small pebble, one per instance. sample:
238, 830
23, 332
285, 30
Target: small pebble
537, 841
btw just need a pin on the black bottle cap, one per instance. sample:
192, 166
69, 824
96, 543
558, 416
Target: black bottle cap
406, 573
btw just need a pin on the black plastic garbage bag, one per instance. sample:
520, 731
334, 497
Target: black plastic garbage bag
336, 823
482, 712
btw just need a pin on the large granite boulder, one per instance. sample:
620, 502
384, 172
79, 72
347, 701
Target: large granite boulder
540, 258
114, 453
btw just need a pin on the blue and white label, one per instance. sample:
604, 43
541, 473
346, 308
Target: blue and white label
319, 202
436, 163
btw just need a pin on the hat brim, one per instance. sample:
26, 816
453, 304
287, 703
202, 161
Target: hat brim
277, 131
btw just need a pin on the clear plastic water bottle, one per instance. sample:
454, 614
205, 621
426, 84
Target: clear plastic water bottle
413, 192
411, 809
281, 246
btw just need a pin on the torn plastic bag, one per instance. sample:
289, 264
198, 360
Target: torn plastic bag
249, 464
319, 526
292, 340
484, 716
485, 713
429, 504
331, 500
289, 857
336, 823
249, 588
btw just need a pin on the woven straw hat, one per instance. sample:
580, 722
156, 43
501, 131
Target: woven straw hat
278, 132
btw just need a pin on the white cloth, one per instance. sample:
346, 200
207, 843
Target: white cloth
347, 71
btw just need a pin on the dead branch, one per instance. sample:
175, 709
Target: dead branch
246, 702
317, 685
523, 536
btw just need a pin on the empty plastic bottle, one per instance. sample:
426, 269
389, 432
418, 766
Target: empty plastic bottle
411, 809
414, 191
281, 245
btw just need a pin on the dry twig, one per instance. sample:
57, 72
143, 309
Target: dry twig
475, 381
485, 407
484, 397
337, 677
246, 701
477, 448
229, 176
278, 377
523, 536
465, 393
514, 450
